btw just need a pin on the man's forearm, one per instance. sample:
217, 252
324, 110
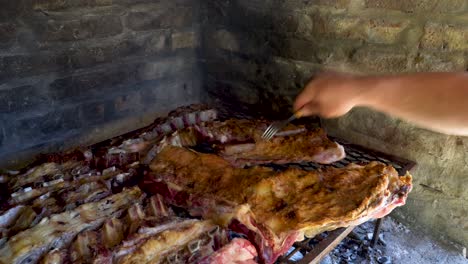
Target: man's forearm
438, 101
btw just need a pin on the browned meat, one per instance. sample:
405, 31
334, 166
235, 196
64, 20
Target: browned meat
142, 141
55, 257
148, 232
100, 246
60, 229
240, 142
175, 245
275, 208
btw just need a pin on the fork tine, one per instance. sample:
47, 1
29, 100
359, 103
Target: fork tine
271, 133
274, 131
275, 127
267, 131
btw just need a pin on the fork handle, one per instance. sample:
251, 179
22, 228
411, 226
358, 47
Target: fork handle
298, 114
293, 117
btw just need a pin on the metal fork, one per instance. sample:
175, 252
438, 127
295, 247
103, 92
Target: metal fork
275, 127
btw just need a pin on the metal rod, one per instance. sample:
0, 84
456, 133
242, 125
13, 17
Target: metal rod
375, 236
297, 249
326, 245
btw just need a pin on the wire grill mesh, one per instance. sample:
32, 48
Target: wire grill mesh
357, 154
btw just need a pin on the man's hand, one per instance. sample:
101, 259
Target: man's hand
331, 95
437, 101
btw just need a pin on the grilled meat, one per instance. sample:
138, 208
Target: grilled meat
148, 232
240, 142
144, 140
60, 229
169, 246
237, 251
59, 197
275, 208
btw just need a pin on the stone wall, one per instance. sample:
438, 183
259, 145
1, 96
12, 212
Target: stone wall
80, 71
261, 53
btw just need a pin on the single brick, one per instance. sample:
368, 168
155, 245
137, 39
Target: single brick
87, 84
181, 40
21, 65
167, 93
21, 98
124, 103
85, 56
244, 16
171, 17
14, 65
238, 92
439, 62
301, 4
433, 6
156, 42
62, 119
273, 73
296, 49
94, 112
40, 126
81, 56
61, 4
7, 32
226, 40
226, 66
384, 30
334, 3
164, 68
374, 30
91, 26
25, 131
376, 60
258, 43
2, 133
449, 37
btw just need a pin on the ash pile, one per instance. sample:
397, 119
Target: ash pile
356, 248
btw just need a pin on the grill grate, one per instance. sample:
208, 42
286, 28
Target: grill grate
355, 154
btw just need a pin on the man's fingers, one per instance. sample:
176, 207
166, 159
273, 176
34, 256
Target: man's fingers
310, 108
307, 96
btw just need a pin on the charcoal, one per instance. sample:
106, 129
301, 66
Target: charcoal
382, 240
384, 260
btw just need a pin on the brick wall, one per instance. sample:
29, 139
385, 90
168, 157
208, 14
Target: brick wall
260, 53
76, 72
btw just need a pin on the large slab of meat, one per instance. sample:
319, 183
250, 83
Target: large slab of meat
275, 209
240, 142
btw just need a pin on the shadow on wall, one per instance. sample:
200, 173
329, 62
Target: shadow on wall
248, 57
